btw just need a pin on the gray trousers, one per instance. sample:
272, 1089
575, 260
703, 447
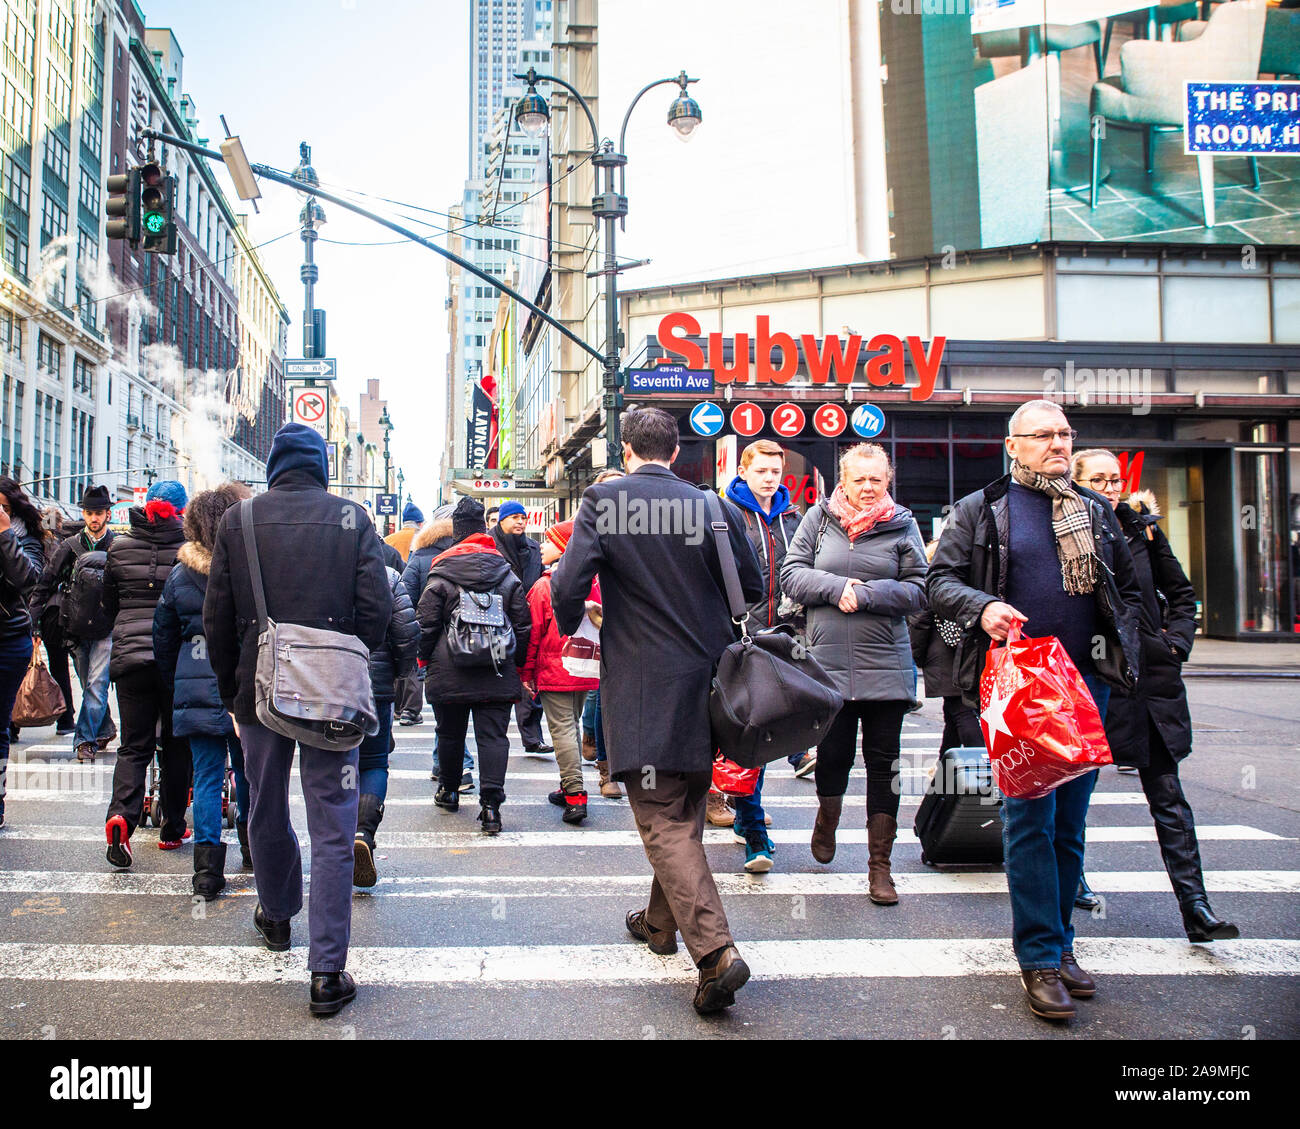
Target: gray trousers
330, 786
410, 695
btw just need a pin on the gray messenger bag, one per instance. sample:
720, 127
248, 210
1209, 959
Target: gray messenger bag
312, 685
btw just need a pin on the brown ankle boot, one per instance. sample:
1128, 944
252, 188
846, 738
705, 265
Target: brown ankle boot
608, 788
881, 830
823, 832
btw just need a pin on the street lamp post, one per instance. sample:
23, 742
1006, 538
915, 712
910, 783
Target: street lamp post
531, 113
310, 219
387, 425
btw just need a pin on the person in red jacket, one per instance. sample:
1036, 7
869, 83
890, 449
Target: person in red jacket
563, 694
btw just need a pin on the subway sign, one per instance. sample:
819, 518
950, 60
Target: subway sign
881, 360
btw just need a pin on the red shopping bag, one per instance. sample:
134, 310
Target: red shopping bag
1040, 723
732, 780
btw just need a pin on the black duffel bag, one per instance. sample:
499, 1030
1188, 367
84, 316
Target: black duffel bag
769, 696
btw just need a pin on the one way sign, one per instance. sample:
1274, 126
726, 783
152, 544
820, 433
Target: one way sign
316, 368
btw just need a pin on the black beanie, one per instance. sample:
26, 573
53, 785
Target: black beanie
298, 447
96, 498
467, 519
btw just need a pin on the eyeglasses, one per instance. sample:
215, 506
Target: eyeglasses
1101, 482
1065, 435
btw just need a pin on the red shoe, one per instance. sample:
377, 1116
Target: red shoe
173, 844
119, 842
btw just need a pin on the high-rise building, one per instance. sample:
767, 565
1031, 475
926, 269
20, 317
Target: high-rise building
496, 30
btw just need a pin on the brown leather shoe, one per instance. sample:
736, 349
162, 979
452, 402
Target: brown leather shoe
881, 830
588, 746
719, 984
718, 812
1048, 996
823, 832
608, 788
659, 940
1077, 982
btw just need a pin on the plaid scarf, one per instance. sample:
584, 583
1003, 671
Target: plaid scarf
856, 521
1071, 525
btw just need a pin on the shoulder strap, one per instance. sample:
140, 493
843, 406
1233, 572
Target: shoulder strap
254, 565
730, 575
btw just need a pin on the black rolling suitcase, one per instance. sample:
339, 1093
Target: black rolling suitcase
960, 817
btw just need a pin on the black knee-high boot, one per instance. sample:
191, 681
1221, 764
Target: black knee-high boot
1176, 833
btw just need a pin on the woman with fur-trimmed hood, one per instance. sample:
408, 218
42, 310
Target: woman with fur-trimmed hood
197, 711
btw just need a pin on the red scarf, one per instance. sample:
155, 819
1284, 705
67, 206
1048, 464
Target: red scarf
474, 543
856, 522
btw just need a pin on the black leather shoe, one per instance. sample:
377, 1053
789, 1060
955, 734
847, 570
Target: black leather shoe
659, 940
274, 933
447, 798
1077, 982
490, 816
539, 748
1048, 996
719, 984
1085, 897
1202, 925
331, 992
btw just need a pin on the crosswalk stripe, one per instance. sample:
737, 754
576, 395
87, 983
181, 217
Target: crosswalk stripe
630, 963
778, 884
468, 835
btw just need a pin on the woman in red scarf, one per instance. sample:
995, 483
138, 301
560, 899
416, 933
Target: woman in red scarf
857, 563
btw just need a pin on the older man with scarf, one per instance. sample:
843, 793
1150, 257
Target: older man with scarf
1036, 548
525, 559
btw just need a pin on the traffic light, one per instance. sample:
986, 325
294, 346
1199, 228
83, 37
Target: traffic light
122, 207
157, 195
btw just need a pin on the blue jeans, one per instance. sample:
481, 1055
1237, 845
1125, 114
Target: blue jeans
90, 661
15, 654
749, 809
467, 765
374, 753
1043, 844
209, 755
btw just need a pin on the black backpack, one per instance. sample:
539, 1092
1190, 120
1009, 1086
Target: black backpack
81, 612
478, 632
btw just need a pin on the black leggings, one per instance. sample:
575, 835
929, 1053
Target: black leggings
882, 722
961, 726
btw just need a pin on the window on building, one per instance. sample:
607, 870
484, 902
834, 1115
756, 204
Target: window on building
16, 184
82, 375
16, 252
49, 355
54, 219
17, 113
87, 246
89, 193
56, 156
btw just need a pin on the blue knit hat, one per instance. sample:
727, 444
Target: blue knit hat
298, 447
509, 508
412, 512
168, 490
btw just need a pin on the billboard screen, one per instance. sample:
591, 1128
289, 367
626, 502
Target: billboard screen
1017, 121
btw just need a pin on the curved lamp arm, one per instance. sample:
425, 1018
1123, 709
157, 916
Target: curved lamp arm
682, 81
532, 77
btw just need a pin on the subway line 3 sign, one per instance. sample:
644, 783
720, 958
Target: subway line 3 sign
788, 420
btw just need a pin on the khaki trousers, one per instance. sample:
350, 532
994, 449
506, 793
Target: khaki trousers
670, 818
563, 709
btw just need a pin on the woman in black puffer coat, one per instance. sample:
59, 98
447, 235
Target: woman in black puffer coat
137, 567
180, 650
392, 661
1150, 728
22, 557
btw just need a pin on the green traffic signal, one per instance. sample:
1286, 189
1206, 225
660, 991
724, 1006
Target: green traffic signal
154, 222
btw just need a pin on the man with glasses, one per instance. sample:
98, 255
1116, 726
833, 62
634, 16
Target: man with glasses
1036, 549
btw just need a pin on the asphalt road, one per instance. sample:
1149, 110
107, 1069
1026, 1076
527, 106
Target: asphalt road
523, 935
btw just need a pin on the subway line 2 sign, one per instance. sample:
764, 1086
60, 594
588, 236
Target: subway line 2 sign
881, 360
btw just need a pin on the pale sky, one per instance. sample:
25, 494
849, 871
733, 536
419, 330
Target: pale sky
378, 87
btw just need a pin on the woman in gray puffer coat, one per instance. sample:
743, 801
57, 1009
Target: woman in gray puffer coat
858, 565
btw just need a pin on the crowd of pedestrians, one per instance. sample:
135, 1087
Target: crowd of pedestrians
480, 620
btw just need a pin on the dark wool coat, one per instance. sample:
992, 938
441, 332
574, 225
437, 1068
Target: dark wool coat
395, 657
867, 653
21, 561
321, 567
477, 569
531, 553
969, 569
181, 651
1160, 695
137, 567
666, 618
58, 571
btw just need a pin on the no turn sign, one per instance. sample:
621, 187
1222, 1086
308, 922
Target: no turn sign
311, 407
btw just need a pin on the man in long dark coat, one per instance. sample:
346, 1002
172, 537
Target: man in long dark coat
666, 622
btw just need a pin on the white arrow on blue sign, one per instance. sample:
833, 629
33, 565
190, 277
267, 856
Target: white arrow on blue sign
317, 368
867, 420
706, 419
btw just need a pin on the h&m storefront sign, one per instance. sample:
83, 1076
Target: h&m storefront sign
881, 360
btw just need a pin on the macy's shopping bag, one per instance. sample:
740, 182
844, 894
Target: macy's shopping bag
1040, 723
732, 780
